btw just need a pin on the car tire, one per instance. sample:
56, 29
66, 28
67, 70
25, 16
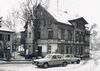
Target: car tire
64, 63
78, 61
45, 65
72, 62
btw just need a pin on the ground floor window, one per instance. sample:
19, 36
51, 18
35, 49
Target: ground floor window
62, 49
72, 49
48, 48
81, 50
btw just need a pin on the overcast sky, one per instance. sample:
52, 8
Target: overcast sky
89, 9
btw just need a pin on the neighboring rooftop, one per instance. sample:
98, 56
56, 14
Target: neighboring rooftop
4, 28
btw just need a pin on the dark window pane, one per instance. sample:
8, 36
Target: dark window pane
1, 37
29, 34
62, 33
8, 37
50, 34
38, 35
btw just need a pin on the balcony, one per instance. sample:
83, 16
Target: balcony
47, 41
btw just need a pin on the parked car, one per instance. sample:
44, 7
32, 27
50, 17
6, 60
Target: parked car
70, 58
50, 60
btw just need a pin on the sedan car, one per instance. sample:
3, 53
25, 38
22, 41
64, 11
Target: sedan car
70, 58
50, 60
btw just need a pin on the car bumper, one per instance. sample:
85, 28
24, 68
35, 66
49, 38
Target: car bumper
38, 63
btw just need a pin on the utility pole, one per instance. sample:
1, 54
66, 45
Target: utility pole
57, 4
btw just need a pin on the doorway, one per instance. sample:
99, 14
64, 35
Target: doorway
39, 50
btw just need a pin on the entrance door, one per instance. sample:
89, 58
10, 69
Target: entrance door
39, 51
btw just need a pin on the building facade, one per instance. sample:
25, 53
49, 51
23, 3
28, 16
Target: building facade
28, 37
6, 38
55, 36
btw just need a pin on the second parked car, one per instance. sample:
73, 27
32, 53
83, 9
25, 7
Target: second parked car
70, 58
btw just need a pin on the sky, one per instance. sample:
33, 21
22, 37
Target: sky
89, 9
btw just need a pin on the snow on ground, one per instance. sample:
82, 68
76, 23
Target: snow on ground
92, 64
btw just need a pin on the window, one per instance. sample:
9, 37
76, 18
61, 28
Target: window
29, 46
8, 37
62, 49
44, 22
50, 33
62, 33
48, 49
38, 34
69, 35
1, 36
29, 34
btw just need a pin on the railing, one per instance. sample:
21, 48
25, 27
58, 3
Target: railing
61, 41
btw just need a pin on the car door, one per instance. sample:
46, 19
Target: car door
54, 60
67, 58
72, 58
59, 59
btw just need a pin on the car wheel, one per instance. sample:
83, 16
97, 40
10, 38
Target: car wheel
78, 61
72, 62
45, 65
64, 63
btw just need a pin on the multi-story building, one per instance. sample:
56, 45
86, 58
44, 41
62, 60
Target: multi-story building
28, 37
6, 38
57, 36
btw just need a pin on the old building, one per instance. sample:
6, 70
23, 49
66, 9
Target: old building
27, 38
6, 38
59, 34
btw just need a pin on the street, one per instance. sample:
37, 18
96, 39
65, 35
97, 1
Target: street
93, 64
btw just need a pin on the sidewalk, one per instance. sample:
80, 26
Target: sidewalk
15, 62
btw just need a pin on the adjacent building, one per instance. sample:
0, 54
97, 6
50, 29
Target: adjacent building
27, 38
6, 38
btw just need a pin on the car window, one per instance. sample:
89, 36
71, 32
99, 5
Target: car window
48, 56
67, 56
72, 56
54, 57
59, 57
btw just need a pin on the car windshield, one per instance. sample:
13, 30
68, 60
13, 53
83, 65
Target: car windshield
48, 56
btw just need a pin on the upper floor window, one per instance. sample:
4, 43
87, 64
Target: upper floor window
38, 34
50, 33
29, 34
4, 37
8, 37
1, 36
62, 33
69, 35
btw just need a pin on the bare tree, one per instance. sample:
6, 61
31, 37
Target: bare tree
93, 38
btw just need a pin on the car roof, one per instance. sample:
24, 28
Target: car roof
68, 54
54, 54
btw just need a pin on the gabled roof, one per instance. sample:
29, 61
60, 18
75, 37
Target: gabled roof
4, 28
58, 15
79, 19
